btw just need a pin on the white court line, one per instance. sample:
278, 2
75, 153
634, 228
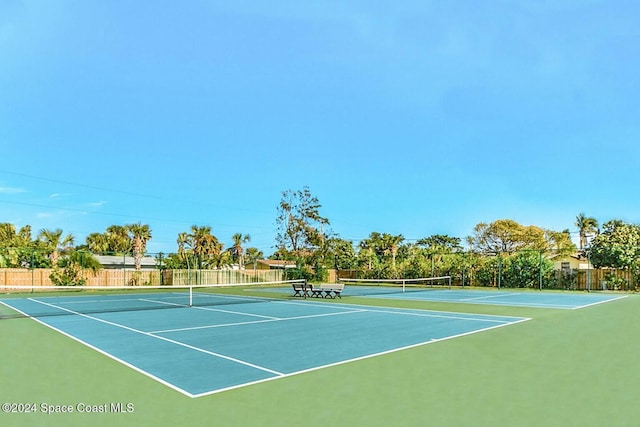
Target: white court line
159, 302
489, 296
442, 316
213, 309
408, 312
389, 310
221, 325
373, 308
80, 300
154, 301
355, 359
103, 352
275, 319
600, 302
419, 313
494, 302
219, 310
191, 347
108, 299
233, 297
542, 305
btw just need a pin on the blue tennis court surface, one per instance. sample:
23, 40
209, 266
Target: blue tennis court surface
515, 297
534, 299
204, 350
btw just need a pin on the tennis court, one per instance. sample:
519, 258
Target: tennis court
570, 300
531, 299
439, 289
205, 349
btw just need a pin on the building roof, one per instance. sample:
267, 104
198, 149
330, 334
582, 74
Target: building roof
277, 263
120, 261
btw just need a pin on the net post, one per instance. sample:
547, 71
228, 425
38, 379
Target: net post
190, 296
449, 282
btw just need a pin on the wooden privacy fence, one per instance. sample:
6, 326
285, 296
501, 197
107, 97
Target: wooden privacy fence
40, 277
131, 277
219, 277
603, 279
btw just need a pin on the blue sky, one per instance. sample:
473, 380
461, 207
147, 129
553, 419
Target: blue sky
405, 117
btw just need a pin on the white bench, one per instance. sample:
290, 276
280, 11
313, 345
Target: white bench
331, 290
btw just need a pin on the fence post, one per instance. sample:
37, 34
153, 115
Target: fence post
432, 267
588, 285
463, 269
540, 270
32, 269
499, 269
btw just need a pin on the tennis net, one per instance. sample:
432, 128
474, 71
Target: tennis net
389, 286
39, 301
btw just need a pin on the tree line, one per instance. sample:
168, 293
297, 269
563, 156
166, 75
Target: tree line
504, 250
303, 235
198, 248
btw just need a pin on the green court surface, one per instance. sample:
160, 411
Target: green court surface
562, 367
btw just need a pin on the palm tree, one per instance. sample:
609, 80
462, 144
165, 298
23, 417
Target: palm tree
7, 234
238, 240
119, 239
23, 238
184, 240
586, 226
377, 247
97, 243
54, 243
253, 254
205, 245
225, 258
115, 240
140, 235
71, 271
393, 244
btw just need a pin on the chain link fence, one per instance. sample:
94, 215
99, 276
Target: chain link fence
522, 269
29, 267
